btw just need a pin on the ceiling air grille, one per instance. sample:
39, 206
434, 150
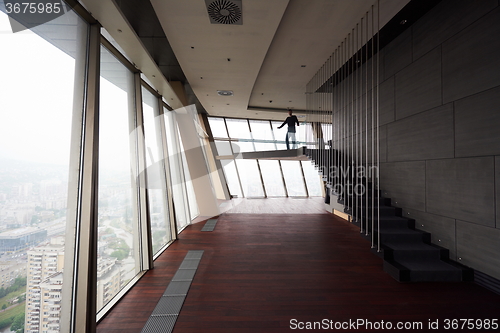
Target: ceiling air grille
224, 11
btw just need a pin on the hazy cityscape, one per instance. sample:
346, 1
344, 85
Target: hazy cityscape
33, 199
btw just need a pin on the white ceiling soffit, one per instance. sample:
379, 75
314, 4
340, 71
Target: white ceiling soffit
113, 20
220, 56
266, 52
308, 34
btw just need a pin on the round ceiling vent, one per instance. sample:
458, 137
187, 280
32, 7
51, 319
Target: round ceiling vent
224, 12
225, 92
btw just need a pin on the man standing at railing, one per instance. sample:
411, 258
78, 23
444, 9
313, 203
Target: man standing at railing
291, 120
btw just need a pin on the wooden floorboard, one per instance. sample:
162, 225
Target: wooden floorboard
259, 271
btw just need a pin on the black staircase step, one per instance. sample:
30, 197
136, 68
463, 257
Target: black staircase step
392, 222
431, 270
402, 246
402, 235
368, 194
412, 251
384, 210
408, 253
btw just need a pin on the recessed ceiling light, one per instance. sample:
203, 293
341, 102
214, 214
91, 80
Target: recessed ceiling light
302, 65
225, 92
119, 30
403, 22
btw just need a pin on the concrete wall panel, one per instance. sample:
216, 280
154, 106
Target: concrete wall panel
428, 135
478, 247
441, 228
477, 122
462, 188
398, 54
418, 86
404, 183
444, 21
386, 105
470, 59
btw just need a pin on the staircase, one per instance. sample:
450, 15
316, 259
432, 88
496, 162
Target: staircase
408, 253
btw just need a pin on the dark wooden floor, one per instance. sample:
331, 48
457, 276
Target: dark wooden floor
259, 272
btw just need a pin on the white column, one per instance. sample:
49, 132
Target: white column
197, 164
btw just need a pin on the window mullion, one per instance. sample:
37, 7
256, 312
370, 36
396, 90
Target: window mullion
144, 228
80, 274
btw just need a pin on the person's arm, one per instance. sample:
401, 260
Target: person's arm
297, 120
282, 124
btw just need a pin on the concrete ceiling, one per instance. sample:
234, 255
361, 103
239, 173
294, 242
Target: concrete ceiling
263, 59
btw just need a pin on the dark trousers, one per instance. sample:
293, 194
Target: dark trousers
290, 136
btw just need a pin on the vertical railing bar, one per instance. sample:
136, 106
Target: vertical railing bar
356, 120
373, 125
377, 170
366, 126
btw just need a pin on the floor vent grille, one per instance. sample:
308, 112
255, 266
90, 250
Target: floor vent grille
164, 316
209, 225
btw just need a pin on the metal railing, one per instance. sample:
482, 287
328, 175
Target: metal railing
345, 93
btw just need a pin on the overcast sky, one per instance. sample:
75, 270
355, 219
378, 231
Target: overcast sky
36, 97
36, 103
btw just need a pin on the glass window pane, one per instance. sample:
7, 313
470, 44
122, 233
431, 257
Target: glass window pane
223, 148
242, 147
191, 196
238, 128
327, 132
279, 134
231, 175
250, 178
313, 179
38, 106
259, 146
293, 178
228, 166
261, 129
305, 134
118, 245
273, 181
217, 127
158, 208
